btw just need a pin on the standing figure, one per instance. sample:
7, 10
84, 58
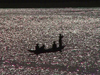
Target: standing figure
60, 40
54, 46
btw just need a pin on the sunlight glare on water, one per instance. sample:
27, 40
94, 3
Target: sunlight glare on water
22, 29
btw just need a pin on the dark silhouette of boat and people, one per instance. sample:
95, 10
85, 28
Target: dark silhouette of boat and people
39, 50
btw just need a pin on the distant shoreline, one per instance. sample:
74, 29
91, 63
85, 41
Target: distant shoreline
56, 4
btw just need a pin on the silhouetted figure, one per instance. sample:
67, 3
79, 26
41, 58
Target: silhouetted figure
37, 47
54, 46
43, 47
60, 40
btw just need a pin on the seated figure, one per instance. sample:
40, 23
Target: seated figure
54, 46
43, 47
37, 47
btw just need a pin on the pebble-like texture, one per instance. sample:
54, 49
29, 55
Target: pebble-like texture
22, 29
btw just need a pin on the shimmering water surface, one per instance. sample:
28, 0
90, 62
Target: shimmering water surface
22, 29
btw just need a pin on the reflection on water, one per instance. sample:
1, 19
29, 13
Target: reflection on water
55, 65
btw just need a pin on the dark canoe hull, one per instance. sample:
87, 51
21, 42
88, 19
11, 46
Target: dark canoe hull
46, 50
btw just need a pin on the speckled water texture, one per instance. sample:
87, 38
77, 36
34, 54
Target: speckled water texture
22, 29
